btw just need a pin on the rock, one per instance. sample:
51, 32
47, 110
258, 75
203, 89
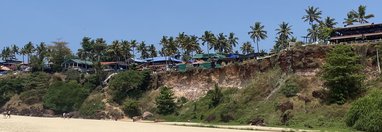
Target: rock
136, 118
285, 106
146, 115
257, 122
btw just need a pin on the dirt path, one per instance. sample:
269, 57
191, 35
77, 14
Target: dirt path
39, 124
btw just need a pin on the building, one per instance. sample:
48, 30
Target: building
77, 64
11, 64
357, 33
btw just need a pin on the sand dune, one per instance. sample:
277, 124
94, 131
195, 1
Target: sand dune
40, 124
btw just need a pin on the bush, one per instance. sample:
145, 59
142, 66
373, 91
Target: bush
9, 87
129, 84
341, 74
131, 108
92, 106
366, 113
290, 89
64, 97
165, 101
216, 96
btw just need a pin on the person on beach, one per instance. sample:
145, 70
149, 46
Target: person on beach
9, 114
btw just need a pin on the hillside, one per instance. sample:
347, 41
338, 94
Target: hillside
252, 92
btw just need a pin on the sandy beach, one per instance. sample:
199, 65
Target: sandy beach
41, 124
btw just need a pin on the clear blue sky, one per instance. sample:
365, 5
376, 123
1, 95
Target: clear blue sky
148, 20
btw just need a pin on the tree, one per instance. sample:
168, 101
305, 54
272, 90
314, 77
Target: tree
257, 33
247, 48
64, 97
365, 114
350, 20
208, 39
342, 74
312, 15
232, 41
165, 101
143, 49
37, 61
126, 48
29, 48
216, 96
313, 33
360, 14
115, 50
131, 108
59, 52
152, 51
329, 22
15, 51
133, 44
99, 49
221, 44
137, 84
284, 32
6, 53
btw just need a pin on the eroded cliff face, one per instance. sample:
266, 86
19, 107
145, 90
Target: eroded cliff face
305, 61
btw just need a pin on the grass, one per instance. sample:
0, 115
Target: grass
248, 103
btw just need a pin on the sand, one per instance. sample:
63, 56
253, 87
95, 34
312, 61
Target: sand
41, 124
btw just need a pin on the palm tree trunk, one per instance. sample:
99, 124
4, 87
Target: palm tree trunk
257, 43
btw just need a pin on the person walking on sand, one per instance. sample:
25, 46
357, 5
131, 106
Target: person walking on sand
9, 114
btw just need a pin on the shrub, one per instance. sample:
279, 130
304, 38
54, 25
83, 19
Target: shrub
92, 106
341, 74
9, 87
129, 84
290, 89
64, 97
131, 108
216, 96
165, 101
365, 113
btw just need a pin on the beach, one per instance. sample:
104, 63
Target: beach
43, 124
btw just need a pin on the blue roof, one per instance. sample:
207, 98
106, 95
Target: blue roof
158, 59
139, 60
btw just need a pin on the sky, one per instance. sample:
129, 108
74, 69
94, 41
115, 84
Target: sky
38, 21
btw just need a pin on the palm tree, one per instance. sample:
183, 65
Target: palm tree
15, 51
152, 51
115, 50
192, 45
41, 53
126, 48
312, 15
232, 40
99, 48
329, 22
143, 49
133, 44
313, 33
208, 38
23, 52
29, 48
221, 44
6, 53
247, 48
350, 19
360, 15
257, 33
284, 31
181, 41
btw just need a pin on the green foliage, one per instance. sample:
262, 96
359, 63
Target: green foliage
10, 87
64, 97
129, 84
73, 75
290, 88
341, 74
215, 96
165, 101
366, 113
131, 108
91, 106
